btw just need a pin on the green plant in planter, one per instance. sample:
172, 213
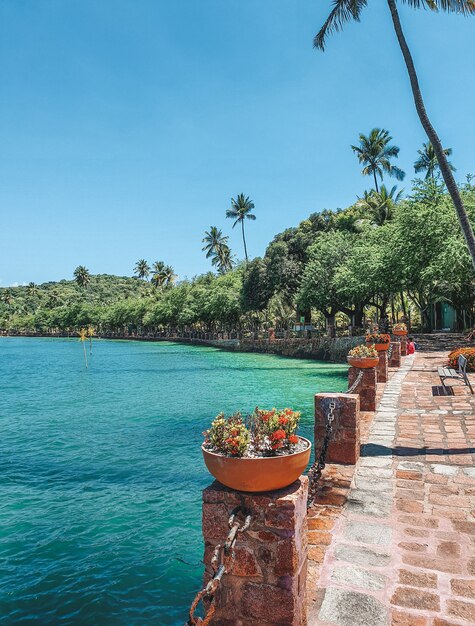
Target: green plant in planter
378, 338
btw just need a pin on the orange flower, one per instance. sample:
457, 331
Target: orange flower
278, 434
293, 439
283, 420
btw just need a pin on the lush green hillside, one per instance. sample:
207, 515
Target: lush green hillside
381, 255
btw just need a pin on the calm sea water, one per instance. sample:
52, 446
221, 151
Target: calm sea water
101, 471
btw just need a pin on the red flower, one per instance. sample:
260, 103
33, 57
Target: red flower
293, 439
278, 434
283, 420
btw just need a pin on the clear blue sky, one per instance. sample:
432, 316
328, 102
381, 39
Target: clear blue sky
127, 125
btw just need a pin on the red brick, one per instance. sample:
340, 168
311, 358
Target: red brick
257, 599
464, 527
319, 538
463, 587
417, 579
448, 549
409, 506
464, 610
408, 475
416, 532
415, 599
245, 563
411, 546
425, 522
438, 564
406, 619
320, 523
316, 553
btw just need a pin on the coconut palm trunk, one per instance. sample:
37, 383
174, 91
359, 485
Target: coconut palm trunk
432, 135
376, 182
244, 240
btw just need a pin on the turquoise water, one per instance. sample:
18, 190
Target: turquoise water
101, 471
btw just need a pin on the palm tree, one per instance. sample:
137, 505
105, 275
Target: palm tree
375, 153
142, 269
32, 290
380, 204
240, 210
223, 259
427, 161
82, 276
216, 246
163, 275
345, 10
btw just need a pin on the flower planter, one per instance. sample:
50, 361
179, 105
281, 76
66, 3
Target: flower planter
380, 347
400, 333
363, 363
260, 473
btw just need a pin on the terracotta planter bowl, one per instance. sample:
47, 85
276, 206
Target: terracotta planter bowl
256, 475
400, 333
380, 347
363, 363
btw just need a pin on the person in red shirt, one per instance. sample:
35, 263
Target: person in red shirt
411, 348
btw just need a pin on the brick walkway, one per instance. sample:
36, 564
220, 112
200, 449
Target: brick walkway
395, 546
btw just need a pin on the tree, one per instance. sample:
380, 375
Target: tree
427, 161
241, 209
216, 247
163, 275
345, 10
142, 269
380, 205
32, 290
375, 154
7, 297
320, 288
82, 276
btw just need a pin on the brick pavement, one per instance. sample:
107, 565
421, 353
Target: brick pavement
394, 543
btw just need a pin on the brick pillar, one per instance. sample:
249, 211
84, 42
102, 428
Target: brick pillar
395, 354
367, 387
267, 583
382, 367
404, 345
345, 442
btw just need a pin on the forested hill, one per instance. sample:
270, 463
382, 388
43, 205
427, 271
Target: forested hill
102, 289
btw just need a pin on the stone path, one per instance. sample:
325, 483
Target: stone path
401, 551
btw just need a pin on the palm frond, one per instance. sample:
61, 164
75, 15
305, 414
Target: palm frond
343, 11
463, 7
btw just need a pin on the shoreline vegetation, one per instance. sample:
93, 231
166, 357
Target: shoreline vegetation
382, 259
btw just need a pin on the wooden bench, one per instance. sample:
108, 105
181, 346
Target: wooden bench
458, 374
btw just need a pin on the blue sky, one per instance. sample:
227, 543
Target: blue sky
127, 125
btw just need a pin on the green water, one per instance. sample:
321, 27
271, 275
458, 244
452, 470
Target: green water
101, 471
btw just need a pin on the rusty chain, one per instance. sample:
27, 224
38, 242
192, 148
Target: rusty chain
221, 563
315, 472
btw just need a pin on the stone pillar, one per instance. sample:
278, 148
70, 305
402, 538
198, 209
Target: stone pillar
382, 367
345, 442
367, 387
395, 360
267, 582
404, 345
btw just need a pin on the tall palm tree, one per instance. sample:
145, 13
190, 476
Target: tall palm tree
82, 276
169, 275
375, 154
142, 269
346, 10
380, 204
241, 209
427, 161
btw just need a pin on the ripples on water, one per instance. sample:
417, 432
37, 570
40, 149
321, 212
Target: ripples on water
101, 471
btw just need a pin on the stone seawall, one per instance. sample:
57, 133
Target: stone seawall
321, 348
